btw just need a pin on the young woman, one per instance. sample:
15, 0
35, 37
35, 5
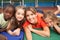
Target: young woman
16, 22
34, 21
52, 21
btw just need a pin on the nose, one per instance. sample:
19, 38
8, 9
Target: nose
30, 16
7, 14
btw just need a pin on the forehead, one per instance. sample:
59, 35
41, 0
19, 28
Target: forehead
47, 19
8, 9
29, 12
20, 11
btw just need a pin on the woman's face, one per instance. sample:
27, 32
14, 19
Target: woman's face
31, 17
19, 14
49, 21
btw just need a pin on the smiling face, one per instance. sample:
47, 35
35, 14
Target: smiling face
19, 14
31, 17
8, 13
49, 21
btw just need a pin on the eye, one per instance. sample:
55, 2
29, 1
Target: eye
6, 11
18, 13
22, 13
27, 15
10, 12
50, 21
31, 14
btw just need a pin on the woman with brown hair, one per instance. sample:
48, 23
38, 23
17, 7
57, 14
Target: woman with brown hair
34, 20
52, 21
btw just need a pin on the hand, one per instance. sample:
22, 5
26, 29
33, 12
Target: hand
2, 29
30, 27
58, 7
17, 32
11, 33
55, 23
50, 24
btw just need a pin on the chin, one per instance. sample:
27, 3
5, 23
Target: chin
33, 22
20, 19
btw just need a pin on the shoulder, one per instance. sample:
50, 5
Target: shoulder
39, 14
1, 14
1, 17
26, 24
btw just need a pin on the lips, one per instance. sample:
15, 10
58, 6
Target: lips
19, 18
31, 20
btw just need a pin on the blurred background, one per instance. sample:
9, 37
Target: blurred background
43, 4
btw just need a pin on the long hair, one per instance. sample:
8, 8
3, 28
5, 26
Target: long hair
14, 20
32, 9
51, 16
23, 20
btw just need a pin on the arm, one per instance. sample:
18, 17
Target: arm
8, 29
17, 31
57, 28
2, 29
58, 10
28, 33
10, 32
45, 32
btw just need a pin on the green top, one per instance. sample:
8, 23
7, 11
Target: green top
3, 23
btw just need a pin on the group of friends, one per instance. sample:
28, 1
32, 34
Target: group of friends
14, 19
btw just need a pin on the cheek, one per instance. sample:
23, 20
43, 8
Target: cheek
34, 17
22, 17
45, 20
10, 15
27, 18
16, 15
